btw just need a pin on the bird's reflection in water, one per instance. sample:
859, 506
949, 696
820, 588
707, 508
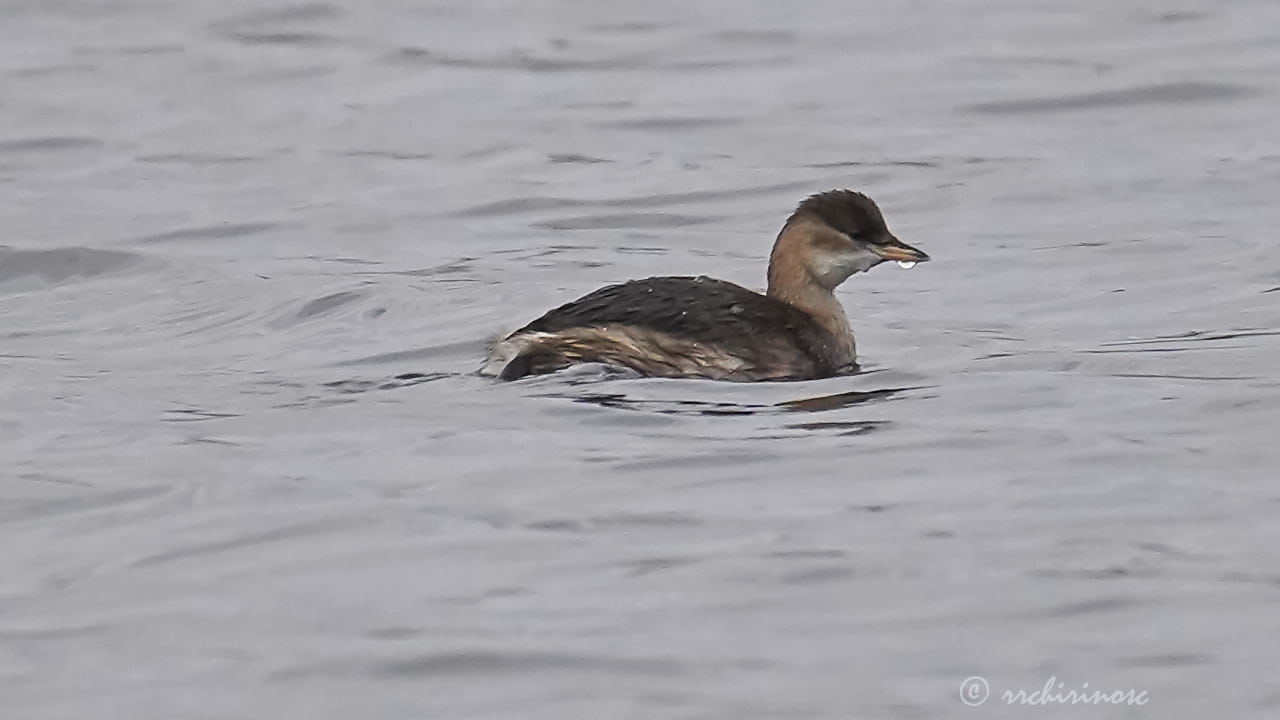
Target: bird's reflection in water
704, 407
841, 400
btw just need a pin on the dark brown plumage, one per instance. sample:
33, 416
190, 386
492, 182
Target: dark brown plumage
849, 212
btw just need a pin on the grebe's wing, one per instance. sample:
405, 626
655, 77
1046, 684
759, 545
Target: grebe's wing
700, 308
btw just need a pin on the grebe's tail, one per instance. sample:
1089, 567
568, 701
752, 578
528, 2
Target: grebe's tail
539, 353
646, 351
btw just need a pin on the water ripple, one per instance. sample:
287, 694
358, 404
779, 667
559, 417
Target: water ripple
221, 231
60, 265
1183, 93
487, 663
47, 144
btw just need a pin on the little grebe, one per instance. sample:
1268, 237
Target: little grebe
702, 327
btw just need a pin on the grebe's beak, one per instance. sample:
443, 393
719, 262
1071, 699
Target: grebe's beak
897, 250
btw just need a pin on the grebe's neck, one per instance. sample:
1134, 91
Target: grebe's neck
792, 280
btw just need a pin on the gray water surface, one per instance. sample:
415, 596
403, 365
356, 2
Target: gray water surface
252, 251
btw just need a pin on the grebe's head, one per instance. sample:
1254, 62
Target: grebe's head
838, 233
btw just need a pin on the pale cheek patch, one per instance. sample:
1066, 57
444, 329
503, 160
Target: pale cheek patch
831, 269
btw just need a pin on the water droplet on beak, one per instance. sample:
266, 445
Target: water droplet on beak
907, 264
